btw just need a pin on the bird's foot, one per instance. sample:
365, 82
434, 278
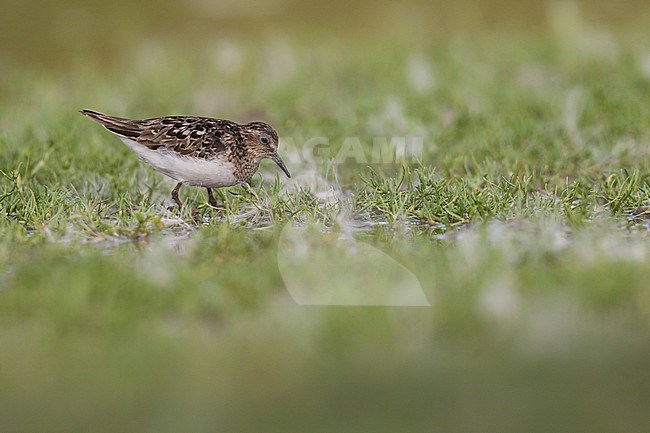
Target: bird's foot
196, 215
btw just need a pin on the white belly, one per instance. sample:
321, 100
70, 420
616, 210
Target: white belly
212, 174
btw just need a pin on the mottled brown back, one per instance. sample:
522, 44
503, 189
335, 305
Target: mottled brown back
198, 137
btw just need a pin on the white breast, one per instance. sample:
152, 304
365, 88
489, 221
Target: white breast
194, 171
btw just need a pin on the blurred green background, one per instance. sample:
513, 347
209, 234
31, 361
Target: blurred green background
527, 228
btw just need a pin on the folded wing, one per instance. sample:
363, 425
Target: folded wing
198, 137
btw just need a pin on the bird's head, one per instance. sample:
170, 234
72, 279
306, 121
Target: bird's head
262, 141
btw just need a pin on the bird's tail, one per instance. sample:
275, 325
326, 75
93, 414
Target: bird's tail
118, 125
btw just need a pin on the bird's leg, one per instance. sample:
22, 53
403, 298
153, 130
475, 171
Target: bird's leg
211, 199
175, 193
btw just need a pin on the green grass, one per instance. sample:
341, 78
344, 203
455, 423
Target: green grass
525, 220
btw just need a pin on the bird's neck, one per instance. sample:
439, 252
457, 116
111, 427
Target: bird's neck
247, 168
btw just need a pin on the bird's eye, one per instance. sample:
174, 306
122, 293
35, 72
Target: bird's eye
265, 140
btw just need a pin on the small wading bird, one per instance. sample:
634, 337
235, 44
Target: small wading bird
201, 151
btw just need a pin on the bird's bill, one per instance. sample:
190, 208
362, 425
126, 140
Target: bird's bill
276, 158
